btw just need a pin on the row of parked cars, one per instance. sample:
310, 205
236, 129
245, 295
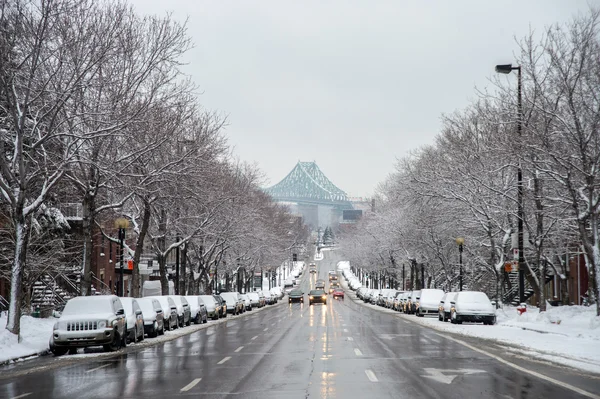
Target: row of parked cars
113, 322
471, 306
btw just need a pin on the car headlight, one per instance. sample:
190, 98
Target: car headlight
324, 297
312, 297
102, 324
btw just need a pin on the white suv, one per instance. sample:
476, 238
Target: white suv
90, 321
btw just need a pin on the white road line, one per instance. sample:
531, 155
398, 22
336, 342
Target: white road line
357, 352
22, 395
524, 370
253, 338
350, 339
224, 360
239, 349
371, 375
345, 330
98, 368
190, 385
266, 329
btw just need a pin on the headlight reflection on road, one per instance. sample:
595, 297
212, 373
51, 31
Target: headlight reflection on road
328, 385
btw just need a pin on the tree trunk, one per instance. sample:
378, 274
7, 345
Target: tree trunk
87, 228
183, 271
22, 229
164, 278
139, 247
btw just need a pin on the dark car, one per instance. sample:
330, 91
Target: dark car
338, 293
320, 285
296, 296
315, 296
334, 285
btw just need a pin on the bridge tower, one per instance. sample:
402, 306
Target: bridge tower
311, 194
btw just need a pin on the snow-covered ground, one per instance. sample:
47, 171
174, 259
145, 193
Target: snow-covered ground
568, 335
35, 335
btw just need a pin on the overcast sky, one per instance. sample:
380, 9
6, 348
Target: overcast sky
352, 85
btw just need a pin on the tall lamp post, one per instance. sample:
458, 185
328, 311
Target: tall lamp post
121, 224
506, 69
460, 241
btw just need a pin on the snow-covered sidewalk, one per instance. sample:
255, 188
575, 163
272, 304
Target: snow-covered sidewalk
567, 335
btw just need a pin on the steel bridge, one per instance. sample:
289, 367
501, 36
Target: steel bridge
312, 191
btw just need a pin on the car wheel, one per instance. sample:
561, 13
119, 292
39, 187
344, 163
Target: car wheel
189, 322
154, 332
58, 351
124, 341
162, 330
115, 344
72, 351
440, 317
141, 337
135, 335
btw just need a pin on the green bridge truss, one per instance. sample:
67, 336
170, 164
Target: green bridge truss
307, 184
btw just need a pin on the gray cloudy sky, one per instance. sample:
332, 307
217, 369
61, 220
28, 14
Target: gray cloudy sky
352, 85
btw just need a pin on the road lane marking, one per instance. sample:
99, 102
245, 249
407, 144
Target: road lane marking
350, 339
357, 352
253, 338
371, 376
239, 349
22, 395
190, 385
524, 370
224, 360
266, 329
98, 368
345, 330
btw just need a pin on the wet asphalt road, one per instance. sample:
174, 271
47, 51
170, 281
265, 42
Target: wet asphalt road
338, 350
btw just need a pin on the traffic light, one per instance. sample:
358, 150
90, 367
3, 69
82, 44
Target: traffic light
295, 257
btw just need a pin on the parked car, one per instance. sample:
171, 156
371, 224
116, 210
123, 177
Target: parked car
247, 302
234, 305
315, 296
135, 319
153, 316
90, 321
256, 299
278, 292
444, 308
472, 306
429, 302
296, 296
338, 293
269, 298
213, 308
169, 311
411, 303
222, 305
184, 315
198, 312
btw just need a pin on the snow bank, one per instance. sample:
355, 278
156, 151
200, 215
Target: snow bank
35, 334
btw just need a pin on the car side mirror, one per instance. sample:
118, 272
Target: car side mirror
120, 312
493, 303
138, 312
159, 311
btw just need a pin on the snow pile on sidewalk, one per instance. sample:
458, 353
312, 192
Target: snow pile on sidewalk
568, 335
35, 334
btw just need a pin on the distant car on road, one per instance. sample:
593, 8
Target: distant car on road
315, 296
296, 296
312, 268
320, 285
338, 293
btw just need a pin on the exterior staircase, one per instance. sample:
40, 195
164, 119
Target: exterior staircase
512, 295
53, 292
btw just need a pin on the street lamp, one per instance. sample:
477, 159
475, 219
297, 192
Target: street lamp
121, 224
460, 241
506, 69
